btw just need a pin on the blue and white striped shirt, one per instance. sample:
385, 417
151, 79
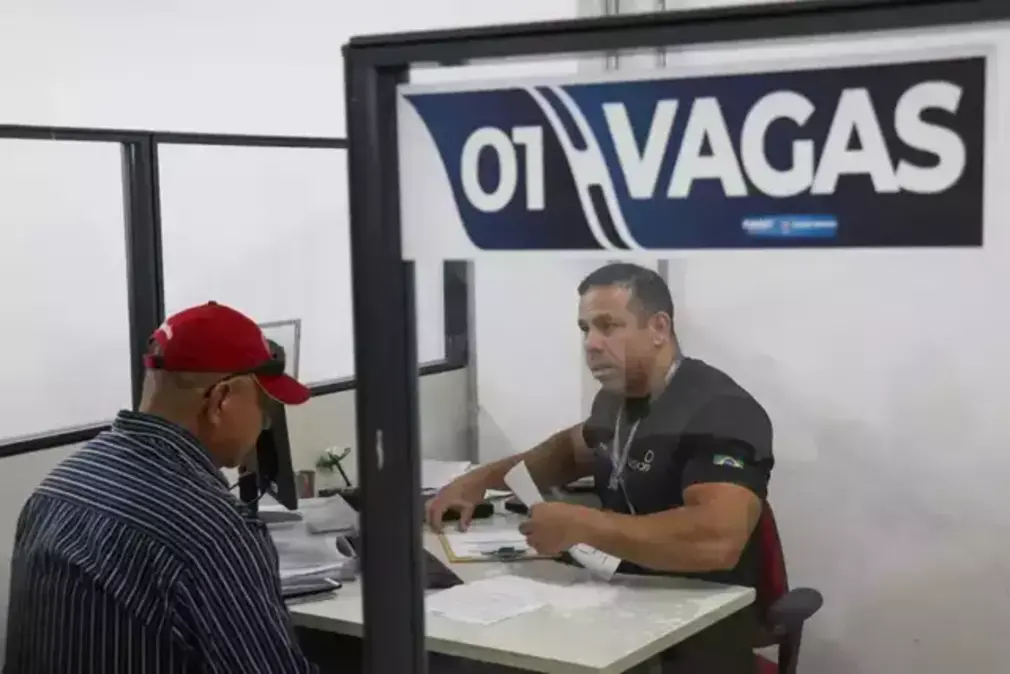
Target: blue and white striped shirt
133, 556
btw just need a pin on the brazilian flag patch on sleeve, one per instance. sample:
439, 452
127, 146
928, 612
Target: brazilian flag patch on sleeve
726, 460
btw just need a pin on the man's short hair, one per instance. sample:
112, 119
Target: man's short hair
649, 291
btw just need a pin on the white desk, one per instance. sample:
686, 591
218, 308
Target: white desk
648, 616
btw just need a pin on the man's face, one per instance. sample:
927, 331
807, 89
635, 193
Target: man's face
236, 415
620, 347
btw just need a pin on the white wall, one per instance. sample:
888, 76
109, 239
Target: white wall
528, 358
230, 66
884, 375
327, 421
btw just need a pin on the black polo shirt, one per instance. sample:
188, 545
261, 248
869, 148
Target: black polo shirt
702, 428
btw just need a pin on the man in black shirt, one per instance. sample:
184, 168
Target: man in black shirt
680, 453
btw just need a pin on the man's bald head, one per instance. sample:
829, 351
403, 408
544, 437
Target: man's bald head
226, 413
176, 390
212, 371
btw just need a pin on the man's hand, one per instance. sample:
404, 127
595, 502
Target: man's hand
554, 527
462, 494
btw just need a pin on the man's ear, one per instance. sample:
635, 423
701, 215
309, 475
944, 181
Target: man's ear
661, 325
217, 398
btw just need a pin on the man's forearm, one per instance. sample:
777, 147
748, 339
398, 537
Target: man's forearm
685, 540
552, 463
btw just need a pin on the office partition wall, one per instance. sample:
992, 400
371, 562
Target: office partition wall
130, 226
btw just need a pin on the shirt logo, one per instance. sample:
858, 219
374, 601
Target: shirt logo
728, 461
643, 466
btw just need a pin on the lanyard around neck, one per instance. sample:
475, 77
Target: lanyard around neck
619, 458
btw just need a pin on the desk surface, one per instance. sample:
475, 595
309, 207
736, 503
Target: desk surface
646, 616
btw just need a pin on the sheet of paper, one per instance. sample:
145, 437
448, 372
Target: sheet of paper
572, 596
487, 601
522, 485
598, 563
475, 543
435, 473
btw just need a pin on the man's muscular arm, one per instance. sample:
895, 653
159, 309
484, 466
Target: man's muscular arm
562, 458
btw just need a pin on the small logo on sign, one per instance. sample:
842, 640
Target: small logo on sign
792, 226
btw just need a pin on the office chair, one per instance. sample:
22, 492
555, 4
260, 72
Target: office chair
783, 611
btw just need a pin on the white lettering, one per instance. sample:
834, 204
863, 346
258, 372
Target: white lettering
932, 138
531, 138
489, 138
774, 182
706, 123
640, 166
855, 116
854, 145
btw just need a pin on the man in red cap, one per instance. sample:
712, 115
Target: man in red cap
133, 555
212, 366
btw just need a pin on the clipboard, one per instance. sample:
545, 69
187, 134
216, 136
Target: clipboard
486, 546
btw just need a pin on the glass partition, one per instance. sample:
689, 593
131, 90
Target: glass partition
63, 271
824, 212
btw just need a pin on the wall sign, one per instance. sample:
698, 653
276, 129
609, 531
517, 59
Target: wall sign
881, 155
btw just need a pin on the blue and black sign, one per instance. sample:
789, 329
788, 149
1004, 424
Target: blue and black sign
864, 156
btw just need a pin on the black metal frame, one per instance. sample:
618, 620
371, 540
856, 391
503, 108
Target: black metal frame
387, 391
145, 280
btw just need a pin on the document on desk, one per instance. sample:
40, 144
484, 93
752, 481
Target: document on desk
472, 544
486, 601
597, 562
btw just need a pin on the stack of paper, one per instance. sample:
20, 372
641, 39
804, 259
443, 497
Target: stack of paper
302, 555
329, 515
487, 601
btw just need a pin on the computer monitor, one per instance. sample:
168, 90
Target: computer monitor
273, 460
269, 470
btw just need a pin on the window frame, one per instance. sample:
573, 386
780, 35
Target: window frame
144, 268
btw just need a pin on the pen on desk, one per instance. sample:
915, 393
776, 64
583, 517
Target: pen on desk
505, 553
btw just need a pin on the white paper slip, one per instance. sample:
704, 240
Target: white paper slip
485, 602
522, 485
598, 563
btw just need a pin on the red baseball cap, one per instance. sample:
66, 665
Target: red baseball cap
215, 338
